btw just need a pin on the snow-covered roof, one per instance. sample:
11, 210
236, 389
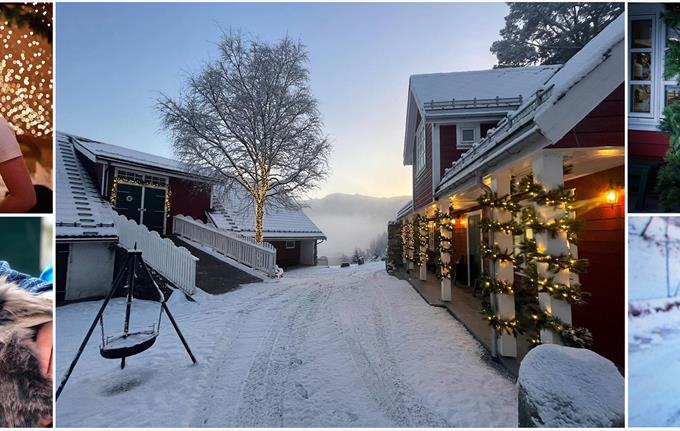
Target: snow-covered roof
480, 84
279, 223
100, 151
405, 210
503, 83
81, 213
558, 105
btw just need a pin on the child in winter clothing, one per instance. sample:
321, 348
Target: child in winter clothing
25, 349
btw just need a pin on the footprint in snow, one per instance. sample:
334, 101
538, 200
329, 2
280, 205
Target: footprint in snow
301, 391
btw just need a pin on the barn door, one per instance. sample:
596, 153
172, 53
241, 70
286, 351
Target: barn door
154, 209
129, 201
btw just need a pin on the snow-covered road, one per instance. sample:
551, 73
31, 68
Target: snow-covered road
349, 347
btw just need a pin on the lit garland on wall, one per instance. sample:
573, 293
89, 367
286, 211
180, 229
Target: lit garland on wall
26, 68
421, 228
407, 239
117, 180
530, 319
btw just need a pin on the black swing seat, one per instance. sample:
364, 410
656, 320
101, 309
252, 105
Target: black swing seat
130, 344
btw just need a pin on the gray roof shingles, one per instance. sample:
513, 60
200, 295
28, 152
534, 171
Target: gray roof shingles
81, 212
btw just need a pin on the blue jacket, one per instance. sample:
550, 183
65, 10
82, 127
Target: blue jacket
24, 281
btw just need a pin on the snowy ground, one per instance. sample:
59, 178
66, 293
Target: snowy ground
654, 369
322, 347
653, 336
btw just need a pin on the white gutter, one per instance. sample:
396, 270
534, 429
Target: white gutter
484, 159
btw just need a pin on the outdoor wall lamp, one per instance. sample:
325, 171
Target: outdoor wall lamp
612, 195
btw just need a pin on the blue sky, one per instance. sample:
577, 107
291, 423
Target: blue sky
114, 60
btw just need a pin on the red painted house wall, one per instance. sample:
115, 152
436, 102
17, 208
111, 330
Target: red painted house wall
648, 145
603, 126
485, 127
422, 182
286, 256
602, 243
187, 199
448, 153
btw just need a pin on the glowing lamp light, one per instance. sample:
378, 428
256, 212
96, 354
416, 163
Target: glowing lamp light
612, 197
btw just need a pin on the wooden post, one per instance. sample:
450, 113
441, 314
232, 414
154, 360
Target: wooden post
447, 235
422, 269
548, 170
504, 271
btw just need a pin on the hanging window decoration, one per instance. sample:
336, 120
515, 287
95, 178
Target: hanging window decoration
521, 202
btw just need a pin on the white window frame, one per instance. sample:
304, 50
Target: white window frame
475, 127
421, 148
639, 120
153, 179
653, 67
288, 246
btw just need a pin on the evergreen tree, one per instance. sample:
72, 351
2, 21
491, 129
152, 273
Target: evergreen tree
550, 33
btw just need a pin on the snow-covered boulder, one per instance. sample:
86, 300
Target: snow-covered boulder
563, 387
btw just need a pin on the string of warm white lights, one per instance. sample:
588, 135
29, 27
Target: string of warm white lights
525, 219
26, 70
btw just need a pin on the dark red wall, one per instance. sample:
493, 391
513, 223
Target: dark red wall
187, 199
602, 242
422, 183
448, 153
485, 127
286, 256
647, 145
603, 126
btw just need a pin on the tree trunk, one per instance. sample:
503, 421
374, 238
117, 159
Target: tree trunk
259, 216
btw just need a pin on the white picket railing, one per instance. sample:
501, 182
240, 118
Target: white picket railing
175, 263
245, 250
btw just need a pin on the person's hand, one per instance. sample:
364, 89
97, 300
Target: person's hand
44, 342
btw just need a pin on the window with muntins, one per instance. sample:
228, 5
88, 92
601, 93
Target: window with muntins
648, 91
420, 148
641, 73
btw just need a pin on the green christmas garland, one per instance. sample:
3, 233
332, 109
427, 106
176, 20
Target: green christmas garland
530, 318
668, 176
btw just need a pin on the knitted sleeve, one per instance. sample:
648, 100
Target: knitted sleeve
24, 281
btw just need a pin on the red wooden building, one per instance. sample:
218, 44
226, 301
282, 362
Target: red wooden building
472, 132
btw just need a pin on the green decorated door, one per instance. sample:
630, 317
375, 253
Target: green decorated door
154, 209
129, 201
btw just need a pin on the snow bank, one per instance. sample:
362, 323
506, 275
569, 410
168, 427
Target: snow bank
568, 387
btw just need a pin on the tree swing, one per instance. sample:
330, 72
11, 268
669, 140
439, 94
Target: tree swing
128, 342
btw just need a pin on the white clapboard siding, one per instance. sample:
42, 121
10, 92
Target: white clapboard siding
245, 250
177, 264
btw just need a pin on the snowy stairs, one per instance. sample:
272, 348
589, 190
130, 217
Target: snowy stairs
221, 212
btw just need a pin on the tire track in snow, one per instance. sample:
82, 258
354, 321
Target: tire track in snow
369, 348
264, 389
209, 409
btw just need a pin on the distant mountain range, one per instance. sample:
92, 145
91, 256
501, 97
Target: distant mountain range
351, 221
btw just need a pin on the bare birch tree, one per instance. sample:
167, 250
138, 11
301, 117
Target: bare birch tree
249, 119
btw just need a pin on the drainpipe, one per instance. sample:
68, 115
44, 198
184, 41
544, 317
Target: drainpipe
492, 270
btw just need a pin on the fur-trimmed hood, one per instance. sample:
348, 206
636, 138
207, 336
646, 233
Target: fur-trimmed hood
25, 394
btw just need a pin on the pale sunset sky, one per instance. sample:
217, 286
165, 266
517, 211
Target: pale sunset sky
113, 61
